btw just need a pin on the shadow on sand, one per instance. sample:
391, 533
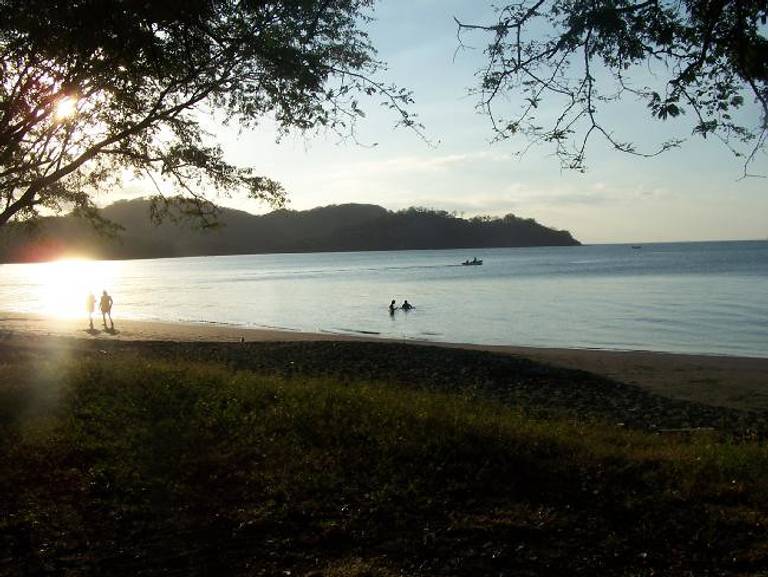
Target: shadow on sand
96, 332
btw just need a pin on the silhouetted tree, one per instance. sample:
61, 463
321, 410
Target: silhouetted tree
89, 88
707, 57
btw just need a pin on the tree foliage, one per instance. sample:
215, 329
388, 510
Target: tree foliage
705, 59
90, 88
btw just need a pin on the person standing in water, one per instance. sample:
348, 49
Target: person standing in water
105, 304
392, 307
406, 306
90, 304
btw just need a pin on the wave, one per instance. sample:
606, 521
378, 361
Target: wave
342, 331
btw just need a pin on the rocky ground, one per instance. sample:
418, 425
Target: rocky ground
536, 388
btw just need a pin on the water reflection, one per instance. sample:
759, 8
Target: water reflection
688, 297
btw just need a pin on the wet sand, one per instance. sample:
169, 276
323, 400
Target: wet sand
721, 381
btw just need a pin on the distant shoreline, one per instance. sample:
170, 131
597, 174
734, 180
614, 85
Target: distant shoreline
642, 244
728, 381
310, 252
75, 256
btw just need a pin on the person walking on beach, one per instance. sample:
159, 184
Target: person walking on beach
105, 304
90, 305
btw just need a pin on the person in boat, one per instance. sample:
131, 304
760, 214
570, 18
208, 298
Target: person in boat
406, 306
392, 307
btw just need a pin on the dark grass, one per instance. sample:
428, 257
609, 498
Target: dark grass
115, 463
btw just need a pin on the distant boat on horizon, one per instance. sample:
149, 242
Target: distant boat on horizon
636, 246
474, 261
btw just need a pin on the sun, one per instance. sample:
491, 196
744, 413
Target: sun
65, 108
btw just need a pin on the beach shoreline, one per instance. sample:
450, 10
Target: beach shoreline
725, 381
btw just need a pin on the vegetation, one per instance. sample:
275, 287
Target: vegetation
129, 465
565, 61
348, 227
92, 88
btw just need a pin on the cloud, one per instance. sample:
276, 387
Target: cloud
413, 164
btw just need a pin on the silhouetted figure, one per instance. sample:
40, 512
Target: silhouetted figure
105, 304
90, 305
392, 307
406, 306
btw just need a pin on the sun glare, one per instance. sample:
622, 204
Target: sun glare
66, 108
61, 287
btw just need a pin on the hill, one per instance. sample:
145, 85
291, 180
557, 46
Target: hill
348, 227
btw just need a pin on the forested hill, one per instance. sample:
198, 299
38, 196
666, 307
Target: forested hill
348, 227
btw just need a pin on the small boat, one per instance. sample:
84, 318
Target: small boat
474, 261
636, 246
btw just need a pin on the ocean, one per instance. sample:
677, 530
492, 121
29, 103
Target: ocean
703, 297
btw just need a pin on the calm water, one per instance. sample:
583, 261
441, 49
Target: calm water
683, 297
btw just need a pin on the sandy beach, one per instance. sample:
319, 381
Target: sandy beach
733, 382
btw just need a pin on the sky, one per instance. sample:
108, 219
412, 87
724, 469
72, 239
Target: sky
689, 194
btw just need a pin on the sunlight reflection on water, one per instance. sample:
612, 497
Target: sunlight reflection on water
59, 288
